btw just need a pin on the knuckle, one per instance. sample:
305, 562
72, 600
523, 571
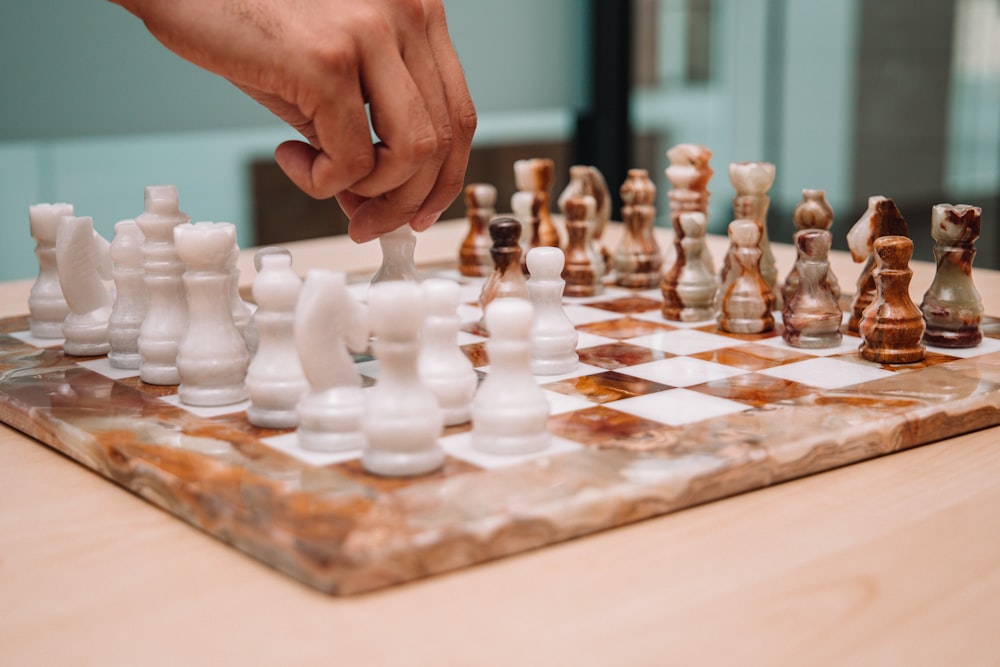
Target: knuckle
466, 120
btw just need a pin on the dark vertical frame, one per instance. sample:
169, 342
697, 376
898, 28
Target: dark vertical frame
603, 134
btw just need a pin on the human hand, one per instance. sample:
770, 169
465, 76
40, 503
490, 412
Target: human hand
315, 65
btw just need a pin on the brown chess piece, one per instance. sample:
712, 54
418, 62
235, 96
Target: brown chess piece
506, 280
745, 305
752, 180
952, 306
882, 218
688, 287
474, 254
892, 326
584, 266
812, 316
535, 175
812, 212
588, 180
638, 261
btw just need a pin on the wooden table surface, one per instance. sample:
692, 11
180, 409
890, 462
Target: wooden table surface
892, 561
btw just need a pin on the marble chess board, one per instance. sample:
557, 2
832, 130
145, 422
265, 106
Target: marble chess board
659, 416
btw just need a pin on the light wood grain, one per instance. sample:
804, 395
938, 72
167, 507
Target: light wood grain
892, 561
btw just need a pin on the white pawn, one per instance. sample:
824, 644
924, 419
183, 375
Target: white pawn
329, 323
275, 381
553, 336
167, 316
510, 411
131, 298
402, 418
46, 302
212, 357
398, 247
250, 334
242, 312
83, 265
443, 368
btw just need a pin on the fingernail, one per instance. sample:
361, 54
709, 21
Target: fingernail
423, 222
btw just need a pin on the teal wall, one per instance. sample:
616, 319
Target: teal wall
93, 108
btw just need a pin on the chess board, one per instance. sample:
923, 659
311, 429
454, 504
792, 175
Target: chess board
659, 416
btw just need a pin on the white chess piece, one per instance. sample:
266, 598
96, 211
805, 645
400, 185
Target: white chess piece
82, 262
553, 336
398, 263
131, 298
444, 369
403, 419
241, 310
329, 323
510, 411
275, 381
167, 316
521, 204
46, 303
212, 357
250, 334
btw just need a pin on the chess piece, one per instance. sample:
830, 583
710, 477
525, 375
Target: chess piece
398, 263
402, 417
812, 212
83, 264
131, 299
46, 304
275, 380
952, 307
507, 279
212, 356
746, 304
892, 325
510, 411
588, 180
688, 287
250, 333
329, 324
689, 173
752, 180
638, 261
535, 175
474, 254
522, 207
553, 336
584, 264
882, 218
812, 316
443, 368
166, 319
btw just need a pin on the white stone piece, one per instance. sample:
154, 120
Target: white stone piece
250, 334
131, 298
240, 309
510, 411
212, 356
402, 418
46, 304
167, 316
553, 336
443, 368
81, 261
398, 247
329, 324
275, 381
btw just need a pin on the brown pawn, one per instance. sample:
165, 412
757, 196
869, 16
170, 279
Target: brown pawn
745, 305
535, 175
688, 287
952, 306
506, 280
474, 254
584, 265
812, 212
588, 180
892, 325
812, 316
881, 219
638, 262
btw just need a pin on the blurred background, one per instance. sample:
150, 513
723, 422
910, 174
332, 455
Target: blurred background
856, 97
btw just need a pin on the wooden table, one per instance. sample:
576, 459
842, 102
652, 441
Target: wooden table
891, 561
